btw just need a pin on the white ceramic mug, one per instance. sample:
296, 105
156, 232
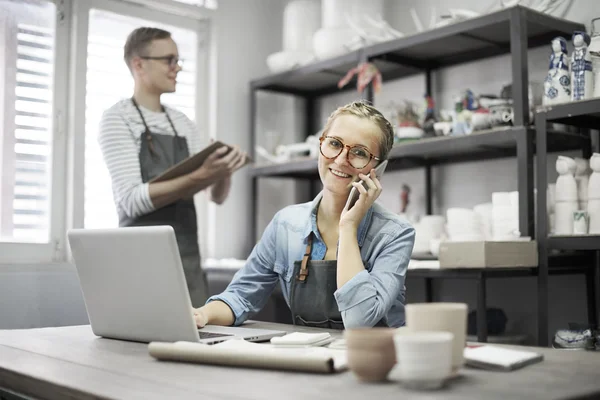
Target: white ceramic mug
448, 317
580, 222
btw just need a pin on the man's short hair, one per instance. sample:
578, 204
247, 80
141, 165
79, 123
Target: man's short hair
138, 41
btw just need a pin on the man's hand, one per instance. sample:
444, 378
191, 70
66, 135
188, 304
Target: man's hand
238, 159
219, 165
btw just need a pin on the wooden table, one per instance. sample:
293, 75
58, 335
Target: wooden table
70, 362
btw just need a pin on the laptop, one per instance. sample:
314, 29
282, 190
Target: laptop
134, 288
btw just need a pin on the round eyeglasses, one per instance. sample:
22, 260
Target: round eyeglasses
358, 156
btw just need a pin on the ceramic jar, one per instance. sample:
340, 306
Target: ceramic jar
301, 19
582, 177
565, 196
593, 206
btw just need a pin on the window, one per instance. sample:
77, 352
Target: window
27, 34
52, 177
108, 81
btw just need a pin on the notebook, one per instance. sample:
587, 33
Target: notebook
499, 358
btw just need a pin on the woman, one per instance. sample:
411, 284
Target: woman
338, 268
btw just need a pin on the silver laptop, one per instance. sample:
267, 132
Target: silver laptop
134, 287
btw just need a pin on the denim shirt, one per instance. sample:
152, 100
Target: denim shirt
385, 240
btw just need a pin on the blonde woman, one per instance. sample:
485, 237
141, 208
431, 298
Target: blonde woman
338, 267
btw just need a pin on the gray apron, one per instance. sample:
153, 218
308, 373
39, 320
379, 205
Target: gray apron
311, 296
158, 153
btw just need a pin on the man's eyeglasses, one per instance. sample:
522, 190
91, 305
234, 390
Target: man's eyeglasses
358, 156
172, 61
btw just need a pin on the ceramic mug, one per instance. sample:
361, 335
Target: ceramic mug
448, 317
580, 222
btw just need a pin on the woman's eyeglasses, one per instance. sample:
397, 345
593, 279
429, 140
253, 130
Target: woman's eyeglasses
172, 61
358, 156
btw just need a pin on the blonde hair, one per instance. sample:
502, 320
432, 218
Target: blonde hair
363, 110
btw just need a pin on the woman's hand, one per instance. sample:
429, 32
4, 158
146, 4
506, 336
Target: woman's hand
199, 317
352, 217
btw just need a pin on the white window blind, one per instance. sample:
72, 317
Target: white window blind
108, 81
26, 90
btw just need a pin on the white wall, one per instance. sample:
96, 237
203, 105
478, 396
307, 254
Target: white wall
247, 32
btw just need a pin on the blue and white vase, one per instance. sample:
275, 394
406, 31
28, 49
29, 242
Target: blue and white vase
557, 85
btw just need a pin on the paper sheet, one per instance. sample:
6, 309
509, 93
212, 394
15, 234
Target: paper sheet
253, 355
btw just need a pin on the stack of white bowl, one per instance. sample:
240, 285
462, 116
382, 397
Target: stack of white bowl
464, 225
429, 228
484, 212
505, 215
301, 20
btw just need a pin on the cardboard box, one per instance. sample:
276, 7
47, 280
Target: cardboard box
488, 254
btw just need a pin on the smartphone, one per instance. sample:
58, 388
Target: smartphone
355, 194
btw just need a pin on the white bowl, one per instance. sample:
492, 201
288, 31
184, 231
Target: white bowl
407, 132
424, 357
287, 60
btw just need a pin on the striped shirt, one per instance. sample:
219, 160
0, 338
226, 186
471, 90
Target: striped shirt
119, 137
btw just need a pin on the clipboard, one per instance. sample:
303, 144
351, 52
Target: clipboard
191, 163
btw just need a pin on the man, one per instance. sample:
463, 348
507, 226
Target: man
140, 138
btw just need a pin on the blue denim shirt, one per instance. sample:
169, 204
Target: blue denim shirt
385, 240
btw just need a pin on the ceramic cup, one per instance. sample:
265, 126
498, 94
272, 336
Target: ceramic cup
448, 317
371, 353
580, 222
424, 358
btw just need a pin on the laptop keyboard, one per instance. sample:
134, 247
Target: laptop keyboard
208, 335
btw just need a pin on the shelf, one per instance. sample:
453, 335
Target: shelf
488, 144
583, 113
471, 273
497, 272
294, 169
574, 242
314, 79
470, 40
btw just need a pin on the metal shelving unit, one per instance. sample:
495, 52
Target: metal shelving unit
585, 115
557, 265
511, 31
